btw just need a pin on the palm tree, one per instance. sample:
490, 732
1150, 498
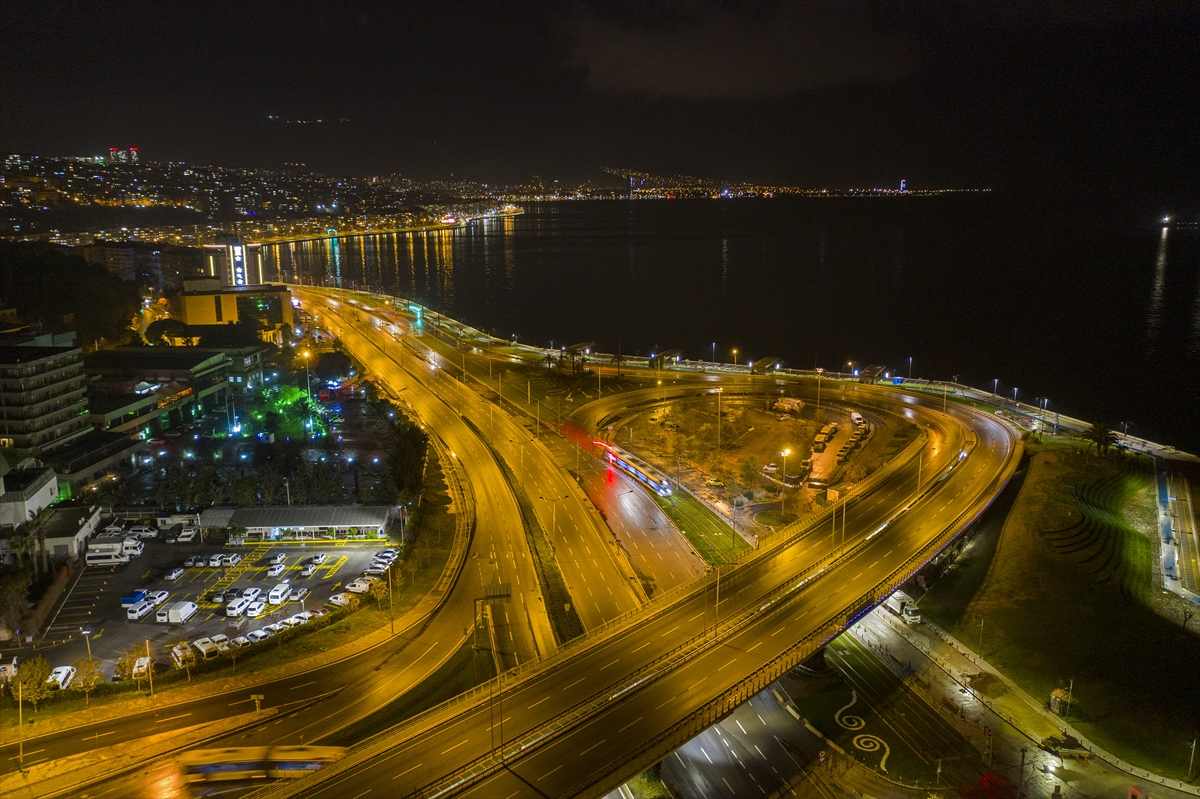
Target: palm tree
37, 526
1101, 435
619, 359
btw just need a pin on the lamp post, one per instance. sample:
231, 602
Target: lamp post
307, 377
785, 454
1015, 406
910, 367
735, 357
995, 385
719, 391
87, 636
820, 371
288, 487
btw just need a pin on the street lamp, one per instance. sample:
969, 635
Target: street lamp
995, 385
1015, 398
785, 454
735, 357
820, 371
87, 636
719, 391
307, 377
910, 367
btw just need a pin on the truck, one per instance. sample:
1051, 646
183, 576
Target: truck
178, 613
905, 607
788, 405
133, 598
130, 547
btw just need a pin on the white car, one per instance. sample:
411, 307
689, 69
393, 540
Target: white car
256, 610
61, 677
241, 641
298, 594
277, 558
340, 600
277, 627
376, 570
309, 570
251, 594
214, 560
276, 570
175, 574
359, 587
222, 642
156, 598
255, 636
319, 558
143, 532
295, 621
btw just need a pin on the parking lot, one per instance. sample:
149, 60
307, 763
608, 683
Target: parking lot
94, 601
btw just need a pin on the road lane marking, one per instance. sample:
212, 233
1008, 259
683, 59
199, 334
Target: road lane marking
698, 615
535, 704
730, 661
710, 760
693, 685
460, 743
669, 701
593, 746
643, 646
630, 724
602, 668
27, 754
173, 718
668, 632
551, 771
572, 685
364, 793
402, 773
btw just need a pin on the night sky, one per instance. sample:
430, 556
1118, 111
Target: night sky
1097, 96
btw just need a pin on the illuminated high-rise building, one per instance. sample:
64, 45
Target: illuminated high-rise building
234, 262
122, 155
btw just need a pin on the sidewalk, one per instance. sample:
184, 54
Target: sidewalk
939, 666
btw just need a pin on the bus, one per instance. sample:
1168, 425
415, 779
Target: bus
662, 487
255, 762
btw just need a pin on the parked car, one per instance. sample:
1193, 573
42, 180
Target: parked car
156, 598
276, 628
296, 621
359, 587
251, 594
341, 600
141, 531
309, 570
61, 677
232, 560
222, 642
256, 610
277, 558
276, 570
257, 635
712, 482
319, 558
191, 561
224, 595
298, 594
240, 641
215, 560
771, 468
174, 574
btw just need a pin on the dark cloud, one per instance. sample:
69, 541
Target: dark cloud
717, 53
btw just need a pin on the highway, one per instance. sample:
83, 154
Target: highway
632, 686
602, 583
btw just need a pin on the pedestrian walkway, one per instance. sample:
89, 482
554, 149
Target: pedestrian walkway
945, 666
1182, 515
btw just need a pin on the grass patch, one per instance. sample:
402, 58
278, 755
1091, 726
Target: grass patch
1071, 595
774, 518
559, 607
648, 785
710, 536
463, 671
915, 734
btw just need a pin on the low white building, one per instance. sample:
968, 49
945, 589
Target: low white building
302, 522
25, 489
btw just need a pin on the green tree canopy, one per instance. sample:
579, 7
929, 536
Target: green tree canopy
31, 681
89, 673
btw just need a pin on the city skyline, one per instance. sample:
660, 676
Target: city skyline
827, 95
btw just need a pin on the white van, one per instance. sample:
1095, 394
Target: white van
177, 613
187, 536
139, 611
279, 594
106, 558
237, 607
856, 417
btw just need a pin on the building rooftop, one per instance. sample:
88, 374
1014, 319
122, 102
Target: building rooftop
296, 516
21, 354
171, 358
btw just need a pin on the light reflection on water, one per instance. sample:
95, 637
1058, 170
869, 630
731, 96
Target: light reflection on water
1075, 306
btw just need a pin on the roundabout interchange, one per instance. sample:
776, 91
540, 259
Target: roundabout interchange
648, 674
646, 679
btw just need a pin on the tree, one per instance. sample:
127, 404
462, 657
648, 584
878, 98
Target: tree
379, 590
37, 526
855, 472
245, 492
89, 673
750, 471
14, 593
618, 360
163, 331
351, 603
1101, 435
126, 662
31, 679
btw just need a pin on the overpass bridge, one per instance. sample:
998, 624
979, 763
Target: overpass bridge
612, 702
